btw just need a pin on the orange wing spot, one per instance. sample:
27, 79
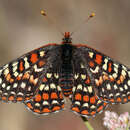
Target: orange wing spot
111, 100
122, 78
54, 95
61, 96
41, 63
78, 97
75, 109
105, 77
87, 81
27, 98
44, 79
32, 80
98, 59
11, 98
34, 58
84, 112
37, 110
91, 64
112, 79
19, 98
21, 67
86, 98
46, 110
56, 108
38, 98
100, 108
109, 67
63, 106
11, 80
118, 99
93, 113
4, 98
8, 77
104, 103
118, 81
29, 105
45, 96
26, 76
18, 78
92, 100
128, 97
125, 99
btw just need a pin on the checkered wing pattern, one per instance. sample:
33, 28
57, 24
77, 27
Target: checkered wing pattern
49, 96
109, 78
19, 80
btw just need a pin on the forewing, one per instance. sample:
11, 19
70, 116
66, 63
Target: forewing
110, 79
20, 78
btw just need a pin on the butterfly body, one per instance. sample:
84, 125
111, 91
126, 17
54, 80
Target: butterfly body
41, 78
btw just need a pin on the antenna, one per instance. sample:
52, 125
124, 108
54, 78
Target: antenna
43, 13
86, 21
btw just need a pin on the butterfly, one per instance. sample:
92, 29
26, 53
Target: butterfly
44, 77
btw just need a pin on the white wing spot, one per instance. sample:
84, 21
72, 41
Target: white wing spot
37, 104
59, 88
83, 76
15, 63
56, 75
16, 74
76, 76
85, 105
3, 85
54, 102
85, 89
105, 64
0, 80
123, 73
121, 89
90, 89
115, 86
42, 53
128, 82
6, 71
14, 68
114, 75
126, 87
15, 85
45, 103
48, 75
79, 86
92, 107
108, 87
23, 85
26, 63
73, 89
8, 88
20, 93
41, 87
37, 69
91, 54
46, 88
53, 86
77, 103
96, 70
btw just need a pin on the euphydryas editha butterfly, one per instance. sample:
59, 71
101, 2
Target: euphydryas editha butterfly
41, 78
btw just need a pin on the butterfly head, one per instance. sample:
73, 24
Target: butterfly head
67, 39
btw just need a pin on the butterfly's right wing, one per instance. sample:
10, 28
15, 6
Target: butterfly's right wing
19, 80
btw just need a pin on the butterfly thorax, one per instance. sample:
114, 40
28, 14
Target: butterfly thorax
66, 80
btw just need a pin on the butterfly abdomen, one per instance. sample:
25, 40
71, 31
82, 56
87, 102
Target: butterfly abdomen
66, 78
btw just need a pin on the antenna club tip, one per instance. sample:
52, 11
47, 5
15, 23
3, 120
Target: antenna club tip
92, 15
43, 12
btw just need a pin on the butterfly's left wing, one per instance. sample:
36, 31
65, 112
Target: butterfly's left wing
19, 80
110, 79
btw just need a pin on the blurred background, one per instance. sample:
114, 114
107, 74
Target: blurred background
22, 29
